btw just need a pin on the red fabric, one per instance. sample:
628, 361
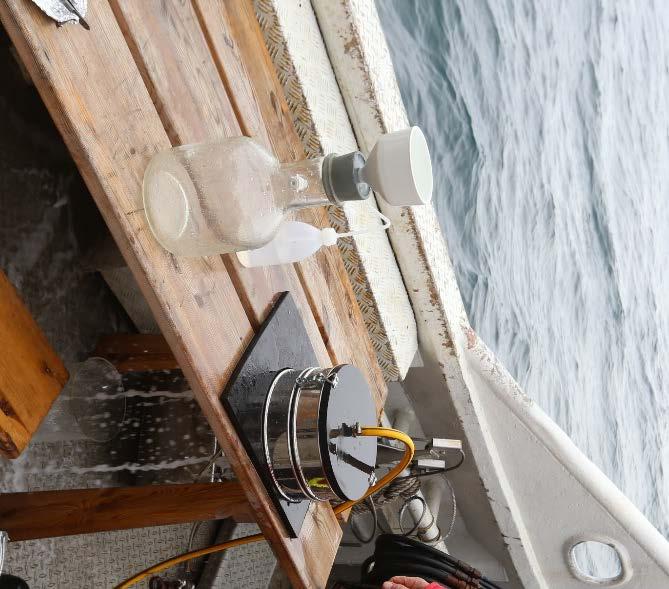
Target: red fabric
434, 586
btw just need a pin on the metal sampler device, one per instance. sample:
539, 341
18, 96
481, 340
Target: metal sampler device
299, 421
311, 422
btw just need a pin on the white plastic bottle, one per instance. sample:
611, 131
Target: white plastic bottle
293, 242
296, 241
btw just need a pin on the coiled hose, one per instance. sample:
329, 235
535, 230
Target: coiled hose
396, 555
405, 487
383, 432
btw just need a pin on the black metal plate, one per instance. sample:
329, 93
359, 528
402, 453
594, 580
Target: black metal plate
282, 342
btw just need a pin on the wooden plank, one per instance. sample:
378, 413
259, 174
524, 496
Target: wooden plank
246, 68
136, 352
100, 104
47, 514
162, 35
168, 43
31, 373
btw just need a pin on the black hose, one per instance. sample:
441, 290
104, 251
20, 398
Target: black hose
396, 555
8, 581
375, 521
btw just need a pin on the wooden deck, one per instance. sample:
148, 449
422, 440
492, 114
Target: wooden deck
157, 73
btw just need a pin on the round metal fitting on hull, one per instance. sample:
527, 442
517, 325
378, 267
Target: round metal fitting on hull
311, 419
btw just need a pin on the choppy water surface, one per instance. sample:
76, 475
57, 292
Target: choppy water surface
549, 126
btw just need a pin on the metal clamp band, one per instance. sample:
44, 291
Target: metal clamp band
268, 456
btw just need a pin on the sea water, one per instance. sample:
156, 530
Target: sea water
549, 126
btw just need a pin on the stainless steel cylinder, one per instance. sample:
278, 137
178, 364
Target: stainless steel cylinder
277, 435
310, 423
311, 470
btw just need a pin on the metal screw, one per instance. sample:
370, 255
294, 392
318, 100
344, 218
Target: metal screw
333, 379
317, 379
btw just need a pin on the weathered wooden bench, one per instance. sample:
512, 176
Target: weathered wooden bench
149, 75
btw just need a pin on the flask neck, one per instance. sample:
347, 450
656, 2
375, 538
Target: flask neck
301, 185
333, 179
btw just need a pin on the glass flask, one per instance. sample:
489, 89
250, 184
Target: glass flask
232, 195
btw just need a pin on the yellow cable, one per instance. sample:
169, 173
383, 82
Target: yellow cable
170, 562
384, 432
393, 434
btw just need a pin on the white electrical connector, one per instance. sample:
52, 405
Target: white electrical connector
430, 463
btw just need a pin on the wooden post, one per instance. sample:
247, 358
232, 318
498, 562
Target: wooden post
46, 514
31, 374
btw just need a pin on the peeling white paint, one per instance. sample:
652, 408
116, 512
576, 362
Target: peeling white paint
544, 493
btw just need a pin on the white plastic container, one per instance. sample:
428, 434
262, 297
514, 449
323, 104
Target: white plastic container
293, 242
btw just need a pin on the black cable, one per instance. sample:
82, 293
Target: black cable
424, 474
403, 509
372, 509
396, 555
435, 470
459, 464
391, 492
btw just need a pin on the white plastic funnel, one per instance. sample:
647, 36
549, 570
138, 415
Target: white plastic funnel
399, 168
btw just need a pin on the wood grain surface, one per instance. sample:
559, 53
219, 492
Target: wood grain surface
152, 74
150, 27
130, 352
245, 65
166, 39
98, 100
47, 514
31, 373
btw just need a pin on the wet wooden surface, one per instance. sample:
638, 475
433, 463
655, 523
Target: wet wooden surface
153, 74
47, 514
136, 352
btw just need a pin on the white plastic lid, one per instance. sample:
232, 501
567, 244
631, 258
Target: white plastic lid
399, 168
